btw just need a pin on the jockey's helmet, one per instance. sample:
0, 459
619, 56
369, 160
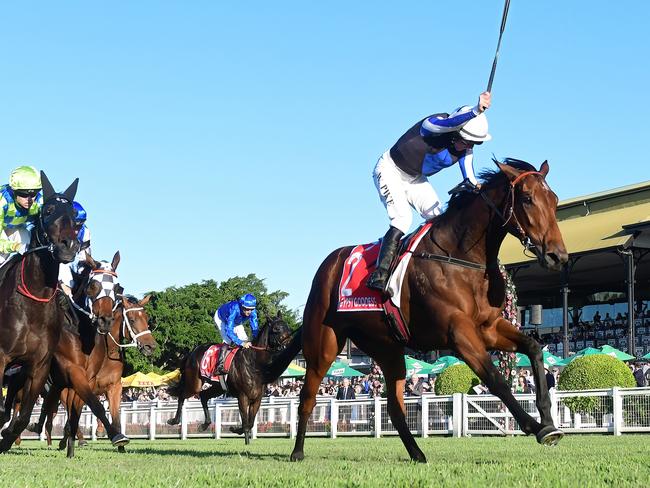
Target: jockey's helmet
476, 130
248, 301
80, 213
25, 178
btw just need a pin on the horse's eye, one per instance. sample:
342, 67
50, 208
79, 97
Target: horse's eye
526, 199
49, 209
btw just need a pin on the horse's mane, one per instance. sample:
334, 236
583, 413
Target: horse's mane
131, 299
489, 178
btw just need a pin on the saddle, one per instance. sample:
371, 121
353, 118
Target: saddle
216, 363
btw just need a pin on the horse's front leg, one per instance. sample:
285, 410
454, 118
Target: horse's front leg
114, 397
244, 404
5, 410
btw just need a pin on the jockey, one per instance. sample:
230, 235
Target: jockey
20, 202
434, 143
230, 317
83, 236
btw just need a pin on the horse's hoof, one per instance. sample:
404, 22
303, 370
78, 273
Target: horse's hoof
297, 456
34, 427
121, 449
120, 440
62, 445
172, 422
82, 443
203, 427
549, 436
237, 430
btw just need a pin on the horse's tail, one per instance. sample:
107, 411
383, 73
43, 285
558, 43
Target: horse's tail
175, 389
280, 362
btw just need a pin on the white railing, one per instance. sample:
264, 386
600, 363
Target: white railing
615, 411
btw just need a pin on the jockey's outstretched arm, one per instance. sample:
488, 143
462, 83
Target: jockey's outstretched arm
434, 126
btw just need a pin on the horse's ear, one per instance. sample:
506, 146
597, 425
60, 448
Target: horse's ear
544, 168
48, 189
508, 170
279, 315
72, 190
145, 300
116, 261
91, 262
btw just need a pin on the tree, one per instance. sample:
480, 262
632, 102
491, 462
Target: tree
181, 318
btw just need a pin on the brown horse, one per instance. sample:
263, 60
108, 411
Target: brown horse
453, 305
30, 315
104, 366
251, 369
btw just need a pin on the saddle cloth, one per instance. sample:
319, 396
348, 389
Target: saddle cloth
211, 358
354, 295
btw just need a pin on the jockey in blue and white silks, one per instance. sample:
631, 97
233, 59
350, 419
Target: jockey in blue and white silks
432, 144
66, 277
230, 318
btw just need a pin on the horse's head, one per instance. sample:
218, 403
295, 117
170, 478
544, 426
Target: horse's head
101, 291
279, 332
56, 223
135, 324
531, 215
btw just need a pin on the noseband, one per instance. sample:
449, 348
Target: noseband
126, 326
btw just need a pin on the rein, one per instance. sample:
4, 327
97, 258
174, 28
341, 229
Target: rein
22, 287
283, 344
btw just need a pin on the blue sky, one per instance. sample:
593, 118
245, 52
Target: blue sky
216, 139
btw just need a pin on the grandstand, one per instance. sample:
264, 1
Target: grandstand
602, 295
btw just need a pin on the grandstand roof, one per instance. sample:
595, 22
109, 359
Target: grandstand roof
594, 227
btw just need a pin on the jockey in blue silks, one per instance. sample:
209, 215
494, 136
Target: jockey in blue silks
229, 320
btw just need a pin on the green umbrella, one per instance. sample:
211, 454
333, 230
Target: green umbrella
612, 351
647, 356
341, 370
443, 363
415, 366
587, 351
523, 361
293, 370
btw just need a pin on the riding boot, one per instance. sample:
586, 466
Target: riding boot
65, 303
223, 352
389, 244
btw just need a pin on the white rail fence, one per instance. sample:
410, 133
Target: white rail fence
616, 411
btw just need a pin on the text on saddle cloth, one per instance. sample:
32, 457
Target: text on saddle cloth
354, 295
211, 358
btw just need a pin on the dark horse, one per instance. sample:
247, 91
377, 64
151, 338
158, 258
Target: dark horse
91, 363
251, 369
30, 315
447, 306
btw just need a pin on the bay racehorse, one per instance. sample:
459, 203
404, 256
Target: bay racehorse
453, 305
30, 315
251, 370
100, 357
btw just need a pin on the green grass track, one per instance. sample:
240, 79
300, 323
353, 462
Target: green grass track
580, 461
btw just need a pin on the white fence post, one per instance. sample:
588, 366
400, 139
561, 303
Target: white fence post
217, 420
152, 422
617, 401
377, 417
123, 421
293, 418
334, 417
424, 410
554, 407
459, 415
183, 422
93, 428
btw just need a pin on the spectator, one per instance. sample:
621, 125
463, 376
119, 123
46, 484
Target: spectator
415, 386
550, 379
377, 389
597, 318
637, 371
345, 392
522, 385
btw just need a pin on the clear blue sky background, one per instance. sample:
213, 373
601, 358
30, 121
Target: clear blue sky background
216, 139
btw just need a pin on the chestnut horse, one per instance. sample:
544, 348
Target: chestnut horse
251, 370
104, 365
447, 303
30, 315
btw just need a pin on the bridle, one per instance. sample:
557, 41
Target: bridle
107, 279
127, 327
508, 214
281, 345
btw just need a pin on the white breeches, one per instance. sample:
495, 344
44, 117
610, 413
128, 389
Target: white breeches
400, 191
239, 330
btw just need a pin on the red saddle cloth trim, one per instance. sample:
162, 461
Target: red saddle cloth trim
353, 294
211, 358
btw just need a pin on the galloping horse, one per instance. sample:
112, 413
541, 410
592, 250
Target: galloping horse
30, 316
452, 298
92, 363
251, 369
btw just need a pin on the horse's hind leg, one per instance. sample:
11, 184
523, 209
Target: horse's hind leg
510, 339
395, 372
204, 396
74, 412
473, 350
51, 403
319, 356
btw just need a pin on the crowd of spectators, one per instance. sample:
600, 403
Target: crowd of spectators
145, 394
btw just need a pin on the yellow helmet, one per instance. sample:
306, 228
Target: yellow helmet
25, 178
